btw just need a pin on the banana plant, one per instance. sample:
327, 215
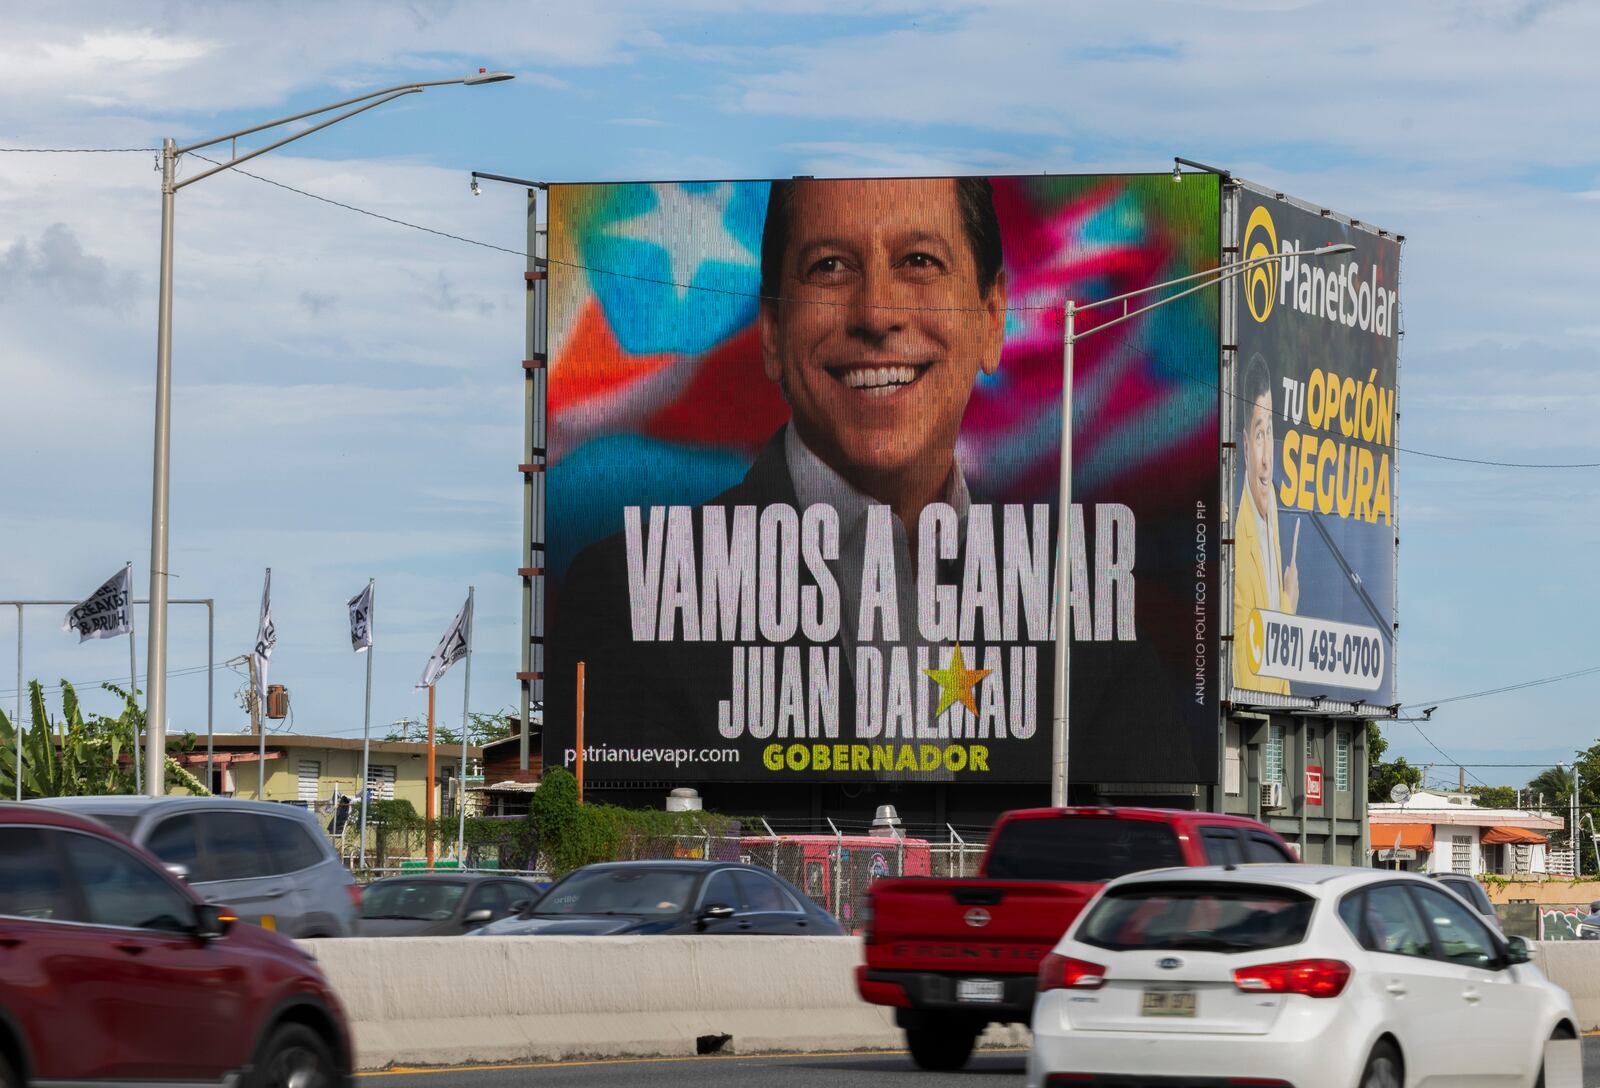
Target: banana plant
78, 756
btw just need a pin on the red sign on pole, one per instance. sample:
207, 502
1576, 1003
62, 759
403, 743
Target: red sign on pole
1313, 784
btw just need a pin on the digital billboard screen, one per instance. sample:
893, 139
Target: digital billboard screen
803, 466
1313, 486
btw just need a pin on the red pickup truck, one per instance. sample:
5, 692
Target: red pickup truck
953, 956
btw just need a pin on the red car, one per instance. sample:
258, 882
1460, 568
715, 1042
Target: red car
112, 970
953, 956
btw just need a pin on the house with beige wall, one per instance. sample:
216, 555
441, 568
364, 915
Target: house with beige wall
318, 769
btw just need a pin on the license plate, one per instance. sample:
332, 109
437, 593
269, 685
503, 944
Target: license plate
1167, 1003
987, 991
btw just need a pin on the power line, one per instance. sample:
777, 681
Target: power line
576, 266
76, 150
1446, 755
120, 681
1508, 687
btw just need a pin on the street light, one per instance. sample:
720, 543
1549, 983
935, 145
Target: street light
1061, 730
156, 659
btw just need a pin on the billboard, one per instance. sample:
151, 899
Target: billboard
1313, 486
804, 447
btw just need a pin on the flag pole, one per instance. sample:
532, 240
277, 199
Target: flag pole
430, 809
133, 684
261, 722
366, 722
461, 780
17, 721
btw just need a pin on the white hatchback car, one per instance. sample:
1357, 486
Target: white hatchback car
1301, 976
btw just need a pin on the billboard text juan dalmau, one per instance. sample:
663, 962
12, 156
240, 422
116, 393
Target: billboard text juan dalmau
1313, 488
804, 444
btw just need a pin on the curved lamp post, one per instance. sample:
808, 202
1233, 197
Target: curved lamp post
156, 659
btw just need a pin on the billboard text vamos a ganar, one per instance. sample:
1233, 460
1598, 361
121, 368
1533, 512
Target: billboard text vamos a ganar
1313, 484
803, 448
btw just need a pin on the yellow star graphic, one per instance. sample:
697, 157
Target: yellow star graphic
957, 683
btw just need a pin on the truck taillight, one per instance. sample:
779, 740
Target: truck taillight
355, 894
1312, 978
1065, 973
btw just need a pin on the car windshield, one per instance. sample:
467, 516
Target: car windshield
619, 891
415, 899
1081, 849
1198, 917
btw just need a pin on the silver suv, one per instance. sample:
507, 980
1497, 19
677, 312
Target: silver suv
269, 862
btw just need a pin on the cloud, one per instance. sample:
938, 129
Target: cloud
318, 303
57, 263
1412, 83
860, 158
188, 58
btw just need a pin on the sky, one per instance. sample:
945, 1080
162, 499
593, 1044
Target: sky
347, 391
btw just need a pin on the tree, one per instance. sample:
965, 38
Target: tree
1494, 796
1552, 788
481, 729
1383, 777
80, 756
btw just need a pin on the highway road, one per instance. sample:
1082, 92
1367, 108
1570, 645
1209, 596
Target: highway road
864, 1070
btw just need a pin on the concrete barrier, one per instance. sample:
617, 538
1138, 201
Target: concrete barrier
1575, 967
437, 1001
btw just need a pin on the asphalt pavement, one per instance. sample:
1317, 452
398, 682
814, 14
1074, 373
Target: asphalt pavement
863, 1070
860, 1070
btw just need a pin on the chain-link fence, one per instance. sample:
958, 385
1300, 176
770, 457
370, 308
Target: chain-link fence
833, 870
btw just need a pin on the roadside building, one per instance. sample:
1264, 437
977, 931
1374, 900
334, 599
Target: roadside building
317, 771
1439, 832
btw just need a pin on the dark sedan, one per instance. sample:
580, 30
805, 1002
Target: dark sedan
439, 905
676, 897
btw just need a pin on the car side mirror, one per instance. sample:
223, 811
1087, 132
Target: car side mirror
716, 912
522, 906
211, 922
478, 917
1518, 950
178, 870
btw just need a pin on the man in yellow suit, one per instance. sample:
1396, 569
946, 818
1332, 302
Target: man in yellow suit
1259, 578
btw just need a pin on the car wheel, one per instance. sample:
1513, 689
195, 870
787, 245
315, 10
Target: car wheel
941, 1046
1383, 1068
8, 1078
294, 1056
1559, 1033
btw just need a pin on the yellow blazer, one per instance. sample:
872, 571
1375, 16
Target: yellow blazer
1250, 589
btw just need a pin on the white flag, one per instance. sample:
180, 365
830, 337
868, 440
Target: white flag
452, 648
361, 620
107, 612
266, 635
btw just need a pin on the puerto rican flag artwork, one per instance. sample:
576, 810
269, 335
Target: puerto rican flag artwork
656, 393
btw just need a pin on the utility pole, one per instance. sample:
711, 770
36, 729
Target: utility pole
255, 727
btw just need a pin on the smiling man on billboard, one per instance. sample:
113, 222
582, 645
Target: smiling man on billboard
881, 303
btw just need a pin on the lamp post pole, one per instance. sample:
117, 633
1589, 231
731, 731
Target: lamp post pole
1061, 720
156, 656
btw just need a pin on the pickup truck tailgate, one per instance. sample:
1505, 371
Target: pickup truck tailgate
970, 925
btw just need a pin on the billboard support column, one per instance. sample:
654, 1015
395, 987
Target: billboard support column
1061, 726
579, 744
